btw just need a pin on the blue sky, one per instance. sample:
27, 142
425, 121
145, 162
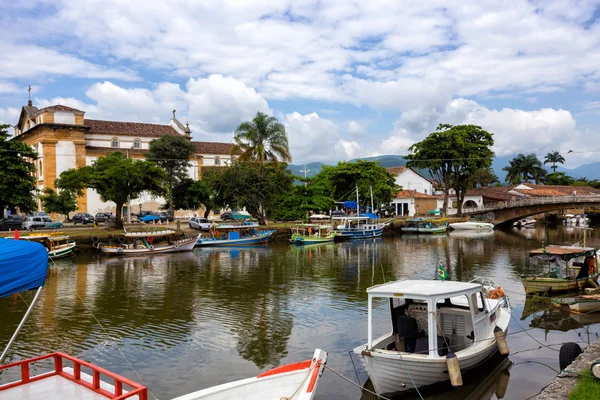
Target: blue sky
348, 79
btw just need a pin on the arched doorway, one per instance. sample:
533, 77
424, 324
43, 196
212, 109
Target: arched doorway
469, 204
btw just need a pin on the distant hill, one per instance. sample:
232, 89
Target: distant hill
313, 168
386, 161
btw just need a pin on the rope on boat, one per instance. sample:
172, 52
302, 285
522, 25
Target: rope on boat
359, 386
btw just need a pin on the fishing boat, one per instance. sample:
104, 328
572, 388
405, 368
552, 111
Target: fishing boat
306, 234
24, 265
244, 234
563, 272
425, 225
57, 244
142, 242
433, 324
292, 381
358, 227
471, 226
580, 304
525, 222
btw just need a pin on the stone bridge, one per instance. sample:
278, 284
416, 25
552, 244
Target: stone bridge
513, 210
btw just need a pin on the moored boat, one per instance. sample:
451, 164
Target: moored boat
243, 234
292, 381
471, 225
425, 225
579, 304
358, 227
565, 276
525, 222
142, 242
429, 319
306, 234
57, 244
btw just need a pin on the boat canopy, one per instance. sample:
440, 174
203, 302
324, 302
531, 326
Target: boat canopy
423, 289
23, 266
562, 252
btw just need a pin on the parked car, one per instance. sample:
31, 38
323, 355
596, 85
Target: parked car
200, 224
83, 218
165, 216
101, 217
30, 223
11, 222
231, 215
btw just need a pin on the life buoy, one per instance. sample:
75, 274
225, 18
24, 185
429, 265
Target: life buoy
96, 245
176, 245
120, 250
121, 239
150, 239
151, 247
95, 239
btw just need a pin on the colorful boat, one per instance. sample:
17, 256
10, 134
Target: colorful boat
562, 273
306, 234
142, 242
358, 227
57, 244
292, 381
579, 304
425, 225
243, 234
429, 320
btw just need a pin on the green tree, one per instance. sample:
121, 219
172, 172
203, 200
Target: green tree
452, 154
484, 177
343, 178
171, 153
191, 195
524, 168
116, 178
262, 139
558, 178
17, 176
253, 186
554, 158
61, 203
295, 203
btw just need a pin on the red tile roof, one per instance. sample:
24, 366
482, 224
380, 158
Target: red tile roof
508, 192
129, 128
405, 194
59, 107
396, 170
212, 147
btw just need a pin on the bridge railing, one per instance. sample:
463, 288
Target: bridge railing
529, 202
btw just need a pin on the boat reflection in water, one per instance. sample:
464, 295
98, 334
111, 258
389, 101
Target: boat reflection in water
471, 234
487, 381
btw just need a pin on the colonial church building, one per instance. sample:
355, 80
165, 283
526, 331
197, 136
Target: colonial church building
65, 139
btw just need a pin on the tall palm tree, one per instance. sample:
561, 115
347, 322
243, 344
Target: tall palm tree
262, 139
524, 168
554, 158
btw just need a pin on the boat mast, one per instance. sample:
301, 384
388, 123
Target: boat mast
372, 205
357, 204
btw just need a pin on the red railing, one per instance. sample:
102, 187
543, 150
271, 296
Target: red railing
118, 381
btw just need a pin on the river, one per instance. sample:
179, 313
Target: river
189, 321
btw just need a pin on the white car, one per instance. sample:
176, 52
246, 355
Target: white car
200, 223
30, 223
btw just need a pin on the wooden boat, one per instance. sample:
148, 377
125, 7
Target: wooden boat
358, 227
561, 274
429, 318
243, 234
425, 225
57, 244
471, 226
292, 381
306, 234
579, 304
141, 243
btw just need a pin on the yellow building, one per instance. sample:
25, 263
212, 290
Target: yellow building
65, 139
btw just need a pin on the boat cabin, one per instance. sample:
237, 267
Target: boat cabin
234, 231
311, 230
430, 318
355, 222
577, 262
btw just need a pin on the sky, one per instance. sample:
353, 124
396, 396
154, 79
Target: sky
347, 78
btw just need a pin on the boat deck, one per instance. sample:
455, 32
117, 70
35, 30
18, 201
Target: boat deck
52, 388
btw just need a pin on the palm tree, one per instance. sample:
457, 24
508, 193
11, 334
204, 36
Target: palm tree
262, 139
554, 158
524, 168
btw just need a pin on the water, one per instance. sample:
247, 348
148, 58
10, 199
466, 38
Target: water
190, 321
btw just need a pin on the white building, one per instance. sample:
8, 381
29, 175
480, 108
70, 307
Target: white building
410, 179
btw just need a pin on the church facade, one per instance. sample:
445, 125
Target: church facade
64, 139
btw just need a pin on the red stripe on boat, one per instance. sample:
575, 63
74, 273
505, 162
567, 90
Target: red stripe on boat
313, 378
286, 368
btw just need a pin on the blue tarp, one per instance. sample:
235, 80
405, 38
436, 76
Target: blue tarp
349, 204
23, 266
370, 215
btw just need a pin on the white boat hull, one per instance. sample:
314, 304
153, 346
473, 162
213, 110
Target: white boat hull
471, 225
179, 246
289, 382
393, 372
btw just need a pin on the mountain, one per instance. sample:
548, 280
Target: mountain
386, 161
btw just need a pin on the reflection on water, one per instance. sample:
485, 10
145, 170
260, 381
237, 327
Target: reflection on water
189, 321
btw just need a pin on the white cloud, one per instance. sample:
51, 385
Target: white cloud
355, 128
9, 116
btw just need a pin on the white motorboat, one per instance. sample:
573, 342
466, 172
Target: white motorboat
471, 226
576, 220
140, 243
292, 381
525, 222
429, 319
